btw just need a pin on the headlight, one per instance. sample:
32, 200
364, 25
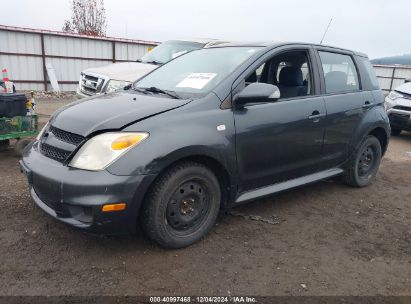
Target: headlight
394, 95
114, 85
100, 151
42, 132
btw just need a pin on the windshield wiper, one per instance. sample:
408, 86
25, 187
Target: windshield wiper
172, 94
140, 90
154, 62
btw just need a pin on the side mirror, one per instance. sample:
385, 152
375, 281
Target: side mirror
258, 92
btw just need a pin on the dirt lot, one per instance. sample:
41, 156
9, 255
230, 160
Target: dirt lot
330, 239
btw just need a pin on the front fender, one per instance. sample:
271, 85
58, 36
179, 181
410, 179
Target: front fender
179, 134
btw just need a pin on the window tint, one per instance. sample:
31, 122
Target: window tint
371, 72
339, 72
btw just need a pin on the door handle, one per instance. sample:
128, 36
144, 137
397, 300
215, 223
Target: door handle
367, 104
316, 115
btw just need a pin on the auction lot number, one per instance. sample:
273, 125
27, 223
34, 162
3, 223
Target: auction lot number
202, 299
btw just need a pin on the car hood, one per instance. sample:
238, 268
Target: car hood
404, 88
111, 111
127, 71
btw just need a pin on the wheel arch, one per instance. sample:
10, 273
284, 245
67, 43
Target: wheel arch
381, 134
216, 166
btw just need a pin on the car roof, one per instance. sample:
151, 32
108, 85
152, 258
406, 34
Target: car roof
272, 44
206, 42
198, 40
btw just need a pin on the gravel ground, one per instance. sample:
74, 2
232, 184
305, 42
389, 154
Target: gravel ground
321, 239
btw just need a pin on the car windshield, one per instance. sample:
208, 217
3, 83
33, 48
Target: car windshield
197, 72
169, 50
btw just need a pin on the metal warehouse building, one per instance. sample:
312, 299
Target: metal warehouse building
25, 52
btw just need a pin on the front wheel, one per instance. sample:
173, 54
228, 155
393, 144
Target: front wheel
182, 205
364, 164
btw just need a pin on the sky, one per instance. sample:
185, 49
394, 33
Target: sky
376, 27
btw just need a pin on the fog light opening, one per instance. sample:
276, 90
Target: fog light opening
113, 207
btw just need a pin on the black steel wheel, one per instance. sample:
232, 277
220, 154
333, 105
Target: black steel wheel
363, 166
188, 206
366, 162
182, 206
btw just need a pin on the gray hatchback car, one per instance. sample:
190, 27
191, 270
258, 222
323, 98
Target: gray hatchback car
207, 131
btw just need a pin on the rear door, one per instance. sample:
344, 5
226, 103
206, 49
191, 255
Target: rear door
345, 103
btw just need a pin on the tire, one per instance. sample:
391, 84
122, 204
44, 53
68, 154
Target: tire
4, 145
20, 145
182, 206
364, 164
395, 132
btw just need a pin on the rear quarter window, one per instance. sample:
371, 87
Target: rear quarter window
369, 73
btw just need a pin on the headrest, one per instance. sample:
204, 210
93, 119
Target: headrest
335, 80
291, 76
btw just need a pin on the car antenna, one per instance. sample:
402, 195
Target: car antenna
326, 30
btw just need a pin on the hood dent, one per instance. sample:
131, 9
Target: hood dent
111, 112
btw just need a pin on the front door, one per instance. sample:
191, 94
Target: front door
281, 140
278, 141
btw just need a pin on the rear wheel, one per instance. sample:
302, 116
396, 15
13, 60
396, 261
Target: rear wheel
182, 206
395, 132
364, 164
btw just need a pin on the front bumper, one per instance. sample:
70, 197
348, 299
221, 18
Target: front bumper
400, 119
399, 112
76, 197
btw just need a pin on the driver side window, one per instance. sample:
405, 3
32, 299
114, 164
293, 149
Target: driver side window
255, 76
289, 71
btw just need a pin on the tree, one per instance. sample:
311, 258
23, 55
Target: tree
88, 18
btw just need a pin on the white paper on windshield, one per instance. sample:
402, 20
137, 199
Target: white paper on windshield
196, 80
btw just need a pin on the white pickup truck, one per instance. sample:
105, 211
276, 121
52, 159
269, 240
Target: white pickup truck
115, 76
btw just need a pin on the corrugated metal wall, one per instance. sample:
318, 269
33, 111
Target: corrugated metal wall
391, 76
24, 52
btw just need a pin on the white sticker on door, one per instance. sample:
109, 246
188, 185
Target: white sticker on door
196, 80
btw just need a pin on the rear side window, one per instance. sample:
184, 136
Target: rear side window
369, 69
340, 73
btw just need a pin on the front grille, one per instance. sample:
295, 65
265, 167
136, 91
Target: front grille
91, 84
65, 136
403, 108
54, 152
53, 143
